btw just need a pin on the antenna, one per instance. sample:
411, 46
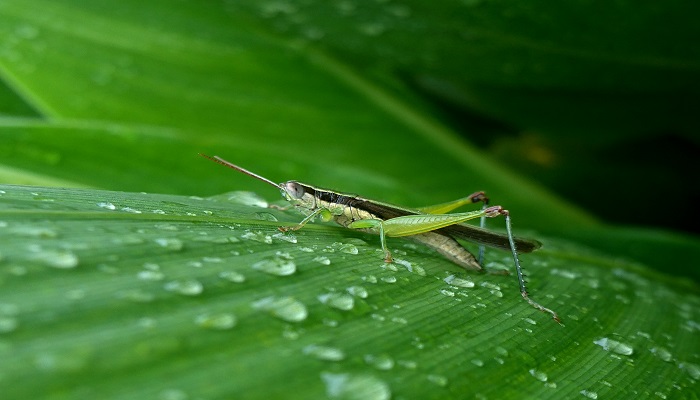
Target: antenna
221, 161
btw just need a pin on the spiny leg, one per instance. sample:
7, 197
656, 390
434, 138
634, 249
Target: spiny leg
498, 210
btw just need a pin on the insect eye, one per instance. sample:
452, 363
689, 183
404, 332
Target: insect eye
294, 190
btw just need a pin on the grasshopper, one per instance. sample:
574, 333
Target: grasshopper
428, 225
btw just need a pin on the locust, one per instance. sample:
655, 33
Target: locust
431, 225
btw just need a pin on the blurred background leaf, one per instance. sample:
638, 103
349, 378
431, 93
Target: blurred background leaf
405, 102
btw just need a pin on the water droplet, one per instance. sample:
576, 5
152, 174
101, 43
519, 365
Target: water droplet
530, 321
358, 291
265, 216
257, 236
62, 259
408, 364
217, 322
167, 227
39, 232
149, 275
232, 276
439, 380
131, 210
662, 353
285, 237
107, 205
347, 248
340, 301
459, 282
370, 278
382, 362
170, 243
614, 346
355, 387
589, 393
8, 324
539, 375
324, 353
323, 260
447, 293
285, 308
477, 362
306, 249
389, 279
188, 287
280, 265
692, 369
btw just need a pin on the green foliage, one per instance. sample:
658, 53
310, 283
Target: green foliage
106, 292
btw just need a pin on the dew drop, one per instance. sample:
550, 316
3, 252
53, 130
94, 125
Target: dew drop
285, 308
107, 205
389, 279
447, 293
257, 236
530, 321
348, 248
355, 387
265, 216
172, 394
232, 276
131, 210
62, 259
38, 232
477, 362
614, 346
340, 301
8, 324
381, 362
188, 287
149, 275
217, 322
170, 243
323, 260
459, 282
358, 291
539, 375
280, 265
285, 237
439, 380
692, 369
662, 353
325, 353
589, 393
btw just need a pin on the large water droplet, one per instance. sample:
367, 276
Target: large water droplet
280, 265
324, 353
589, 393
614, 346
355, 387
285, 308
107, 205
340, 301
257, 236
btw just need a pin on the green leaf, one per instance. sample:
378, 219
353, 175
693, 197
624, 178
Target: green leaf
127, 295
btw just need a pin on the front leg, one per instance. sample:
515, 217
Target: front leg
323, 212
